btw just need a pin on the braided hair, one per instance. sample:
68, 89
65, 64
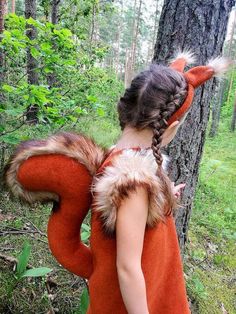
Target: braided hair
152, 98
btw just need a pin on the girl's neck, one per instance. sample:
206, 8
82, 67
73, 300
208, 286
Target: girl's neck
131, 137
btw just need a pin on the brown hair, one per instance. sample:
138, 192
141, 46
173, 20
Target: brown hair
153, 96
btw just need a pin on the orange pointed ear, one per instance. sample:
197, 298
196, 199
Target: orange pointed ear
179, 62
198, 75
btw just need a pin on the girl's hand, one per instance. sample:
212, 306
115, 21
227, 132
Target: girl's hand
177, 189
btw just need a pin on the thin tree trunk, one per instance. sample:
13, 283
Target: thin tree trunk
201, 26
127, 67
13, 6
155, 24
233, 122
129, 52
51, 77
94, 24
216, 107
55, 9
117, 54
229, 54
30, 11
133, 60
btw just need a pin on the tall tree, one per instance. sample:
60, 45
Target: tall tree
229, 54
219, 99
216, 108
233, 121
13, 6
132, 53
51, 77
55, 14
199, 26
30, 11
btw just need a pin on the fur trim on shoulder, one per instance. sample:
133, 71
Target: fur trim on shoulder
76, 146
129, 170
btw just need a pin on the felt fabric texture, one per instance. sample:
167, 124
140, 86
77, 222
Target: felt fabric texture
71, 181
59, 169
161, 265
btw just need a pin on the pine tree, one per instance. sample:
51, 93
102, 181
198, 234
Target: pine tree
182, 25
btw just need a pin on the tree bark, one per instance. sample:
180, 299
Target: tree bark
134, 46
233, 121
229, 54
30, 11
199, 26
129, 52
216, 107
51, 77
55, 8
13, 6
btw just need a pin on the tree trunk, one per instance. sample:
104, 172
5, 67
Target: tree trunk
55, 8
51, 77
30, 11
216, 107
155, 23
13, 6
229, 54
129, 52
117, 50
134, 46
233, 122
200, 26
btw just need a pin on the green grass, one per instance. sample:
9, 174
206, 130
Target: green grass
211, 260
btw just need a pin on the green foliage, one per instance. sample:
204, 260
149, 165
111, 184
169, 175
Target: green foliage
36, 272
197, 287
211, 261
84, 301
22, 263
23, 260
81, 87
85, 234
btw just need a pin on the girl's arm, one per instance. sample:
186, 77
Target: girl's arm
130, 228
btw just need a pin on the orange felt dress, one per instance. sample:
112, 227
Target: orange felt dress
161, 260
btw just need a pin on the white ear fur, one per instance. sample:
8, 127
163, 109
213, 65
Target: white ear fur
187, 55
220, 65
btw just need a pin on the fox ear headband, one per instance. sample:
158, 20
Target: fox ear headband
195, 77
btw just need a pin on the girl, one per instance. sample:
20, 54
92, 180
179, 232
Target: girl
149, 276
142, 272
133, 264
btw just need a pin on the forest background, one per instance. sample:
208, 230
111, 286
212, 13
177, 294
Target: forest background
64, 65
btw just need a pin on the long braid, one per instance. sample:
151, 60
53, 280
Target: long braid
156, 141
160, 125
152, 98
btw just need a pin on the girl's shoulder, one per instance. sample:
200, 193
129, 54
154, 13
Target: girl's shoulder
122, 172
